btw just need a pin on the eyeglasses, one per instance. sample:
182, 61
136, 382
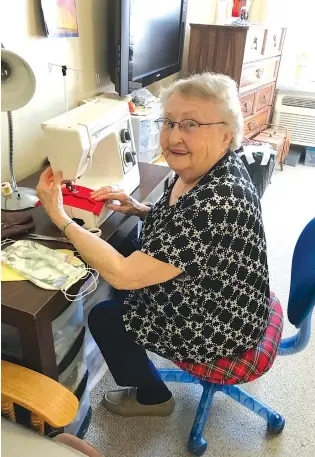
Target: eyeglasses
186, 125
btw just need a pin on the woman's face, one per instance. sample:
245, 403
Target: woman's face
191, 154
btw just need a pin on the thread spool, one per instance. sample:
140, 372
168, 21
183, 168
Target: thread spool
6, 189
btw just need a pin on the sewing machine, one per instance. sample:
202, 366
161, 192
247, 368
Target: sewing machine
93, 146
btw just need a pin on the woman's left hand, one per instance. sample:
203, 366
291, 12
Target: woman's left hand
50, 195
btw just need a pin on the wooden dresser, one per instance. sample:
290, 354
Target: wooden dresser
250, 55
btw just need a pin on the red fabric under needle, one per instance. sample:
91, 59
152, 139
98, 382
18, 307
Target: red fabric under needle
81, 199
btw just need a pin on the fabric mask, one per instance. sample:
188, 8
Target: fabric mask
47, 268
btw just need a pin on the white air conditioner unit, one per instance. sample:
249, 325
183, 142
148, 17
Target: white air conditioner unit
296, 111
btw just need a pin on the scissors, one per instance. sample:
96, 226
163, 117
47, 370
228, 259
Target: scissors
61, 239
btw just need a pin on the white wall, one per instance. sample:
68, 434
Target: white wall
88, 53
299, 37
22, 33
199, 12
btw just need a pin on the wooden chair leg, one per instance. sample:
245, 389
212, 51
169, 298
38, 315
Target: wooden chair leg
37, 423
7, 409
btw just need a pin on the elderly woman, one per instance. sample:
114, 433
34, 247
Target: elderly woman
199, 286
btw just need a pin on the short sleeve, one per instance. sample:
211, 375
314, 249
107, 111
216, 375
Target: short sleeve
184, 240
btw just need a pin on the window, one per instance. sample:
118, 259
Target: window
298, 60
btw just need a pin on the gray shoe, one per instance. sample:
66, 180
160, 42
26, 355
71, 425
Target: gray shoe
124, 403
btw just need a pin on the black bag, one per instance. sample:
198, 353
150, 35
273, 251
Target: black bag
16, 223
260, 174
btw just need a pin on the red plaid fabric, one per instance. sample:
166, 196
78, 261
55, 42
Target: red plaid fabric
251, 364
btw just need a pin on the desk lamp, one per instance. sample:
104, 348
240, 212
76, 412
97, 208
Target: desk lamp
17, 88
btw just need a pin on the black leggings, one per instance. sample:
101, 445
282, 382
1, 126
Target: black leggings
127, 361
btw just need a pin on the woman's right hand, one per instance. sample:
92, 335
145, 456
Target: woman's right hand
127, 204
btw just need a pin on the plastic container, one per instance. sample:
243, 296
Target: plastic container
66, 328
84, 407
147, 137
310, 156
72, 376
293, 158
103, 292
154, 142
10, 341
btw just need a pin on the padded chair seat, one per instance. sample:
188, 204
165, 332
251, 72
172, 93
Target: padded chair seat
251, 364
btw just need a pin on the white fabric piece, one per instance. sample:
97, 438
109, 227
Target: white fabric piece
48, 268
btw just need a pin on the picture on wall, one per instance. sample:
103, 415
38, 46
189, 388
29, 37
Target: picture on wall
60, 18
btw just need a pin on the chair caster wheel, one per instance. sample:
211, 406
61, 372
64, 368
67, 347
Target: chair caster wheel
197, 448
276, 426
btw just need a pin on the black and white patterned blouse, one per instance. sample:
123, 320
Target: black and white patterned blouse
219, 306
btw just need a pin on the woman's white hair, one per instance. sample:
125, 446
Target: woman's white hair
220, 88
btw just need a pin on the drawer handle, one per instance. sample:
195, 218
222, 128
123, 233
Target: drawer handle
274, 41
245, 107
254, 45
259, 72
251, 125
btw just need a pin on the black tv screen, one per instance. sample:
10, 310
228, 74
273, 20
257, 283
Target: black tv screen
154, 35
146, 39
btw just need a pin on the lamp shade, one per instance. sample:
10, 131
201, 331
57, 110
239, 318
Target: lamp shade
17, 81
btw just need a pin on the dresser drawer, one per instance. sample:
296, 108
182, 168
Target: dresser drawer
254, 44
274, 41
247, 104
251, 125
259, 73
264, 97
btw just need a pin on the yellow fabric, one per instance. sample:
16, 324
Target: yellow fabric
8, 274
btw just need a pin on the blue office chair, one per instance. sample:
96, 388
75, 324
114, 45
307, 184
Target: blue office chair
300, 308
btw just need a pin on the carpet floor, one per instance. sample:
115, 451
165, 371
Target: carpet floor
289, 387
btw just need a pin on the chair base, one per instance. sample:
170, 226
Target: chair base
197, 448
197, 445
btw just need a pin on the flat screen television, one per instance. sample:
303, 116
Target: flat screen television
146, 40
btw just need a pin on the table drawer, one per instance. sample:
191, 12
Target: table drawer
254, 45
83, 410
252, 124
247, 104
274, 41
72, 376
259, 73
264, 97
